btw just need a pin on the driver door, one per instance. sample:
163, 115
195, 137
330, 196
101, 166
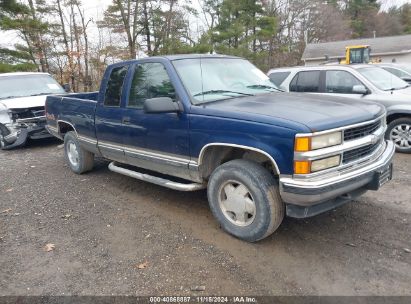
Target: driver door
155, 141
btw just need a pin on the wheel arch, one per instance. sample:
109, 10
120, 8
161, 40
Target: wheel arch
397, 115
214, 154
64, 127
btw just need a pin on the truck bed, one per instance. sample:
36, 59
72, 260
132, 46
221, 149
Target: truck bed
72, 109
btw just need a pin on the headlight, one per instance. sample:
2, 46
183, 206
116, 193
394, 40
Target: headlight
303, 144
307, 167
325, 163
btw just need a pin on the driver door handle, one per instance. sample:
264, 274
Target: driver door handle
125, 120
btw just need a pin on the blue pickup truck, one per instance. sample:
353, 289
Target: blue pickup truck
190, 122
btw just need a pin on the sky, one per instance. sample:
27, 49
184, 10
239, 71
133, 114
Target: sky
94, 9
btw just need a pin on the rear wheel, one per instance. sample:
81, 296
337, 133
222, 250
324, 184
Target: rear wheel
2, 134
79, 159
399, 131
2, 144
244, 198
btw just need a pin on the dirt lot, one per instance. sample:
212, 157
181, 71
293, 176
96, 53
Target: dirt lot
105, 225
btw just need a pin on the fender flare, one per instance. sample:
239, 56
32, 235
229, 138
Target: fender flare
66, 122
400, 109
204, 148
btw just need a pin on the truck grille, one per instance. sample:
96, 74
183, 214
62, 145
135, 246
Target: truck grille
361, 131
28, 113
359, 153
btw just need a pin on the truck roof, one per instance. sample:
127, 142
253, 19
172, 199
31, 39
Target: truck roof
195, 56
172, 58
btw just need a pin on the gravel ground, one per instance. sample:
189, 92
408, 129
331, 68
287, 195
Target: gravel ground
114, 235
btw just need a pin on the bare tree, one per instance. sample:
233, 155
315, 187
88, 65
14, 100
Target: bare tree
68, 50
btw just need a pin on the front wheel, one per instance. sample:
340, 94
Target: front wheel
2, 143
245, 200
399, 131
79, 159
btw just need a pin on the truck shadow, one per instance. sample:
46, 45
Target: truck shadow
354, 218
354, 227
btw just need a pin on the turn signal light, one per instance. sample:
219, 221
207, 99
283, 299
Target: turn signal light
302, 167
302, 144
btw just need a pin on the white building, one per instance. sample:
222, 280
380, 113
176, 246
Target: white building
389, 49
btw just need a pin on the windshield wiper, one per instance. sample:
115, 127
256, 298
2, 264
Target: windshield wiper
264, 86
221, 92
9, 97
39, 94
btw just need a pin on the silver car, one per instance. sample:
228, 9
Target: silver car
362, 81
400, 70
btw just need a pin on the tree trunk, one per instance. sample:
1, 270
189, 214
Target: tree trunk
78, 48
169, 18
147, 27
30, 50
66, 45
86, 52
254, 32
131, 35
37, 39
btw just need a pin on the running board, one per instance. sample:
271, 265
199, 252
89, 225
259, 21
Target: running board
156, 180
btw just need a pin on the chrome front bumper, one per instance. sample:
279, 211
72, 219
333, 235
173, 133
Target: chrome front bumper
310, 192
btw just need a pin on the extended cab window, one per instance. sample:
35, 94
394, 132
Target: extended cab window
278, 77
306, 81
112, 96
150, 80
340, 82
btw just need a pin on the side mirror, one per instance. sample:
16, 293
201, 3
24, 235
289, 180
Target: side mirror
67, 87
161, 105
360, 89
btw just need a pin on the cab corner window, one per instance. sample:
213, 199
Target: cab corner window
306, 81
112, 96
150, 80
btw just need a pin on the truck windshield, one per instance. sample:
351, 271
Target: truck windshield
15, 86
211, 79
382, 79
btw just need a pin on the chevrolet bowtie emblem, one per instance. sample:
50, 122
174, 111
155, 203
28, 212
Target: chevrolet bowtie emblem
374, 139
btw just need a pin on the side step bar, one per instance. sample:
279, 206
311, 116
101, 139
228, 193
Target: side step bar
156, 180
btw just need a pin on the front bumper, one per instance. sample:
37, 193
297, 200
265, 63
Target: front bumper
322, 194
19, 137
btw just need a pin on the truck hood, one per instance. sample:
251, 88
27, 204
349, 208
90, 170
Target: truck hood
24, 102
318, 113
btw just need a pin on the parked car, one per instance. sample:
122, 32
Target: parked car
198, 121
365, 82
22, 99
400, 70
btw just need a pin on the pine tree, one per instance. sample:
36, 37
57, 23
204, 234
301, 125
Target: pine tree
23, 19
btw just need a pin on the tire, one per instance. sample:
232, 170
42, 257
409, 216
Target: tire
2, 143
78, 159
399, 131
237, 177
